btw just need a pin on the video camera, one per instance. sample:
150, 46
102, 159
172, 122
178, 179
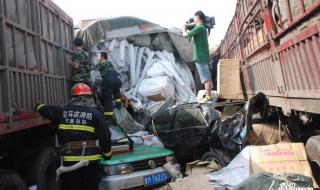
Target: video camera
209, 23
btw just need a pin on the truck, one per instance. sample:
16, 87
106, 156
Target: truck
277, 43
34, 36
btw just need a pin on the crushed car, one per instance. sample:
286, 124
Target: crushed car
210, 132
134, 165
186, 130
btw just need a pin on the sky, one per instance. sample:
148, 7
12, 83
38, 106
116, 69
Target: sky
167, 13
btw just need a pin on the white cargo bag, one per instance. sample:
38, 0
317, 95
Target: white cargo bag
160, 86
156, 70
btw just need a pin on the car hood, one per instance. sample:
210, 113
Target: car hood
139, 153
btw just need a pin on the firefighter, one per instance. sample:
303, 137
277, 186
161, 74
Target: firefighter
111, 85
80, 125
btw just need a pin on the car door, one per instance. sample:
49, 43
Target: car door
189, 127
184, 129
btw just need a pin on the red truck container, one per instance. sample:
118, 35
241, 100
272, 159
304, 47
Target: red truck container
34, 36
278, 44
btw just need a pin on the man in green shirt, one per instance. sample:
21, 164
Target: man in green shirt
201, 52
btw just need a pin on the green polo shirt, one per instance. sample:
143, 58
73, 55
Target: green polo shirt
200, 43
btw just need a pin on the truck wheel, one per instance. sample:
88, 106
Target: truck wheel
45, 169
315, 170
10, 180
292, 129
215, 155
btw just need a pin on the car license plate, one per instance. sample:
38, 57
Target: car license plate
155, 179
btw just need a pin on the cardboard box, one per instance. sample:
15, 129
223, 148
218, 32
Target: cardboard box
228, 79
280, 158
198, 182
156, 98
265, 134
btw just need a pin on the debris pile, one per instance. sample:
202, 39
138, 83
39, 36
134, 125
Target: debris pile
151, 60
155, 75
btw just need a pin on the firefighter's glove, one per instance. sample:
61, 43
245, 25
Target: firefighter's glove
119, 103
107, 156
38, 106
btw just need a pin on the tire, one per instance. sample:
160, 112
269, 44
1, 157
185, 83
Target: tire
10, 180
293, 129
43, 168
217, 156
315, 170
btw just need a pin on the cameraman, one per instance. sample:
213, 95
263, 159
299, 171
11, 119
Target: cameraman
201, 52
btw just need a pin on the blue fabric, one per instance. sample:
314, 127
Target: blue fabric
204, 71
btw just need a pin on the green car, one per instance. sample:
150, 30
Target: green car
134, 165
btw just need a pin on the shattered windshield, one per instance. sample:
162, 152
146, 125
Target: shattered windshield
186, 118
116, 133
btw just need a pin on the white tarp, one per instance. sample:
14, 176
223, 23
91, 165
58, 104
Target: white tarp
157, 86
236, 172
157, 70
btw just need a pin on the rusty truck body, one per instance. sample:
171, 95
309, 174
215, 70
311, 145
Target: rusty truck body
278, 44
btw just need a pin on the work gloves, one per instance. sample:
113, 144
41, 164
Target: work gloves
119, 105
38, 106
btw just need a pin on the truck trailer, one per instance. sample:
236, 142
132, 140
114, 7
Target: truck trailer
278, 45
35, 35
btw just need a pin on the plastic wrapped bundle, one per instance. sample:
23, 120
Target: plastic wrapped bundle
157, 89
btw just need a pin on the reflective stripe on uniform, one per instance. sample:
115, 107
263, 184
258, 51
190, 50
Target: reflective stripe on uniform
108, 154
108, 113
77, 127
118, 100
78, 158
39, 106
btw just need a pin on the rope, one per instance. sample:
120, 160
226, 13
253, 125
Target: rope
83, 162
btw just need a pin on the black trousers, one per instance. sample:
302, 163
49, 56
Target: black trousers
85, 178
111, 85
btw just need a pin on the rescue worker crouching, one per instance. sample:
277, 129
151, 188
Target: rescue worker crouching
111, 85
80, 126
